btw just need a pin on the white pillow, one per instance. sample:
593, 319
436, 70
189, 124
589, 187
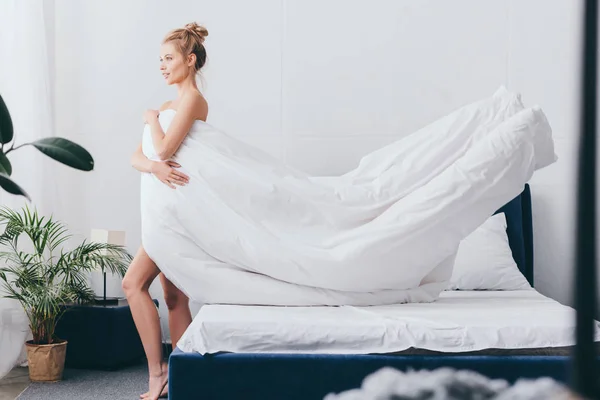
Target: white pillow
484, 260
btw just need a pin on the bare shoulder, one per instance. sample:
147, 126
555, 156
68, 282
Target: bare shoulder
198, 104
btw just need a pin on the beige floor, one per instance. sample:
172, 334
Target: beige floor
14, 383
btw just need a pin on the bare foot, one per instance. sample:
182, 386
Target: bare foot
164, 394
157, 384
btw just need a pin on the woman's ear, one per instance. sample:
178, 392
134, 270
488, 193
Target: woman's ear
191, 60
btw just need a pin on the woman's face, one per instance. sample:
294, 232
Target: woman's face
172, 64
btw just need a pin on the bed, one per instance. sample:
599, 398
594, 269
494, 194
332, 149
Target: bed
307, 352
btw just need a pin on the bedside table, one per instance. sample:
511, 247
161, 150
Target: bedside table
100, 336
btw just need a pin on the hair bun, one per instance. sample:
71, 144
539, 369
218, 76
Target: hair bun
198, 30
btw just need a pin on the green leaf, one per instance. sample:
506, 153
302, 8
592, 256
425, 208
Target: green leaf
11, 187
45, 281
5, 166
6, 126
66, 152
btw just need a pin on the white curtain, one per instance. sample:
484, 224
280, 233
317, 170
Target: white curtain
26, 68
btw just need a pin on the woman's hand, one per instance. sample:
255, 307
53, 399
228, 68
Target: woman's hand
150, 115
165, 172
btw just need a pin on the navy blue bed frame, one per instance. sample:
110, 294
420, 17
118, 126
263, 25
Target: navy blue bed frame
283, 376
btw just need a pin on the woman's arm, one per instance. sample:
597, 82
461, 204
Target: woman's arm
166, 145
140, 162
166, 172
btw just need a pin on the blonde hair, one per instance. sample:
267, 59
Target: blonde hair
190, 40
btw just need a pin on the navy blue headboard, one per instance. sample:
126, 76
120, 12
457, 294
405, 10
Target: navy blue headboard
520, 231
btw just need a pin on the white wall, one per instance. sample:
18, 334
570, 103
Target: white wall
544, 64
319, 83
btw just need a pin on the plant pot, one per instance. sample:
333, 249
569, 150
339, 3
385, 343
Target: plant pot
46, 361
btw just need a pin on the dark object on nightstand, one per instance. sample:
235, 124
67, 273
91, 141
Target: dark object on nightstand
106, 301
100, 336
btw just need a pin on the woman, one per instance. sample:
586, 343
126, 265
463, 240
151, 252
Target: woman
250, 229
182, 56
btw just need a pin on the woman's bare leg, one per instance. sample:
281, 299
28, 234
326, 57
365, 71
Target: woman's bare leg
180, 316
136, 283
178, 304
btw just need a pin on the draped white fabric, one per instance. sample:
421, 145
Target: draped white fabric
249, 229
26, 87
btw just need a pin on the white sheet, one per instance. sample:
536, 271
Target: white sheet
458, 321
249, 229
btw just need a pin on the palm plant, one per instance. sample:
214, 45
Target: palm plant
47, 278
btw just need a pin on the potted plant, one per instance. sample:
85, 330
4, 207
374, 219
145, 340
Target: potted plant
37, 271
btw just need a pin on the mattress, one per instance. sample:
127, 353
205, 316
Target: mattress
459, 322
